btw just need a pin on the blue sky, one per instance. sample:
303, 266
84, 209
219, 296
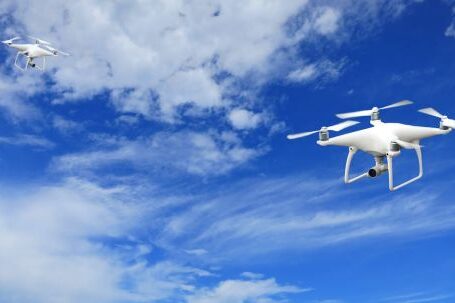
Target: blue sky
152, 164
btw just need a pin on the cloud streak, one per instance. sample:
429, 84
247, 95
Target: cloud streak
298, 213
78, 241
197, 153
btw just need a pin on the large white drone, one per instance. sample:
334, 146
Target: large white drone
382, 140
32, 51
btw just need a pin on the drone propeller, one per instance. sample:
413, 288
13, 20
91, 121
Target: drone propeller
56, 52
338, 127
444, 119
39, 41
366, 113
10, 41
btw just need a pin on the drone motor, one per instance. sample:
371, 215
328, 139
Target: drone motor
442, 126
324, 134
375, 116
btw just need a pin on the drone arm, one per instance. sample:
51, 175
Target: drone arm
347, 180
390, 168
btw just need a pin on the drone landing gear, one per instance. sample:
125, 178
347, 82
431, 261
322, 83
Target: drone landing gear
347, 179
380, 168
29, 62
390, 167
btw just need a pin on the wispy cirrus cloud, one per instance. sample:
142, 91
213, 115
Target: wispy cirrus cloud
79, 241
198, 153
28, 140
99, 243
298, 213
241, 291
323, 71
15, 93
418, 297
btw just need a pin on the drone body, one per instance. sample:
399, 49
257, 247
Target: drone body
32, 51
376, 140
382, 141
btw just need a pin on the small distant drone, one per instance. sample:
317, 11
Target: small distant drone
383, 140
32, 51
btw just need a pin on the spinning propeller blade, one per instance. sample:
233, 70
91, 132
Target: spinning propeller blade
366, 113
340, 126
9, 41
444, 119
362, 113
337, 127
301, 135
398, 104
450, 123
39, 41
56, 51
432, 112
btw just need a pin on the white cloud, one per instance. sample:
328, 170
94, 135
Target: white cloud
177, 49
65, 125
15, 91
173, 48
252, 276
304, 74
243, 291
79, 242
327, 20
244, 119
160, 55
170, 60
196, 252
419, 297
450, 30
64, 243
322, 71
49, 251
133, 101
199, 153
27, 140
292, 214
191, 86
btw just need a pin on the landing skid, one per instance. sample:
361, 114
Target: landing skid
390, 168
347, 179
28, 63
390, 156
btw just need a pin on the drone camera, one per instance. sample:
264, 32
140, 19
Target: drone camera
377, 170
372, 173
